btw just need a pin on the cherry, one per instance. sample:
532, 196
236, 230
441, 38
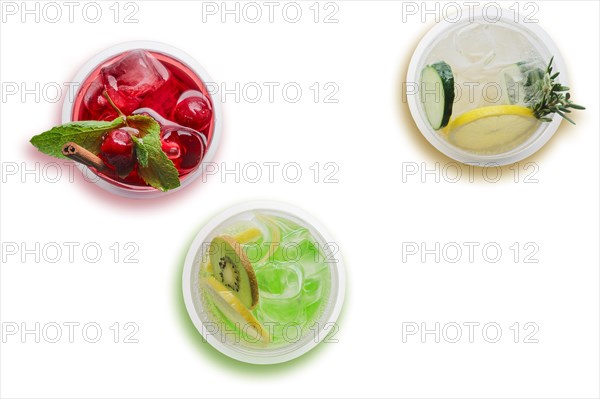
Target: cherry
184, 147
134, 178
173, 151
117, 152
194, 111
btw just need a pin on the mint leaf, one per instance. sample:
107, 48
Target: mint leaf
145, 124
159, 171
87, 134
141, 151
154, 166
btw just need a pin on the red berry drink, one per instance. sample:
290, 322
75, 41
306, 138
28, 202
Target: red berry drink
155, 84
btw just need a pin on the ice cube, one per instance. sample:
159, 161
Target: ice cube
164, 99
281, 312
93, 99
279, 281
129, 80
474, 41
97, 106
311, 289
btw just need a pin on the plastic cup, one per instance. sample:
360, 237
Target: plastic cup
203, 315
539, 40
133, 191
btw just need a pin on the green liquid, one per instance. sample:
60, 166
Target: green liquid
293, 276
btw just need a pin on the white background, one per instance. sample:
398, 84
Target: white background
370, 212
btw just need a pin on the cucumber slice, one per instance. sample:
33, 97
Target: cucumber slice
437, 93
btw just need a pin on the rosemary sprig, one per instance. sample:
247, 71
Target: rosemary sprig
547, 96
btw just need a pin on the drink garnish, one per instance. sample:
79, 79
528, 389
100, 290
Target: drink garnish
547, 96
153, 165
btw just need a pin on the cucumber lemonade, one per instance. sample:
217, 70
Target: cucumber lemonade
486, 88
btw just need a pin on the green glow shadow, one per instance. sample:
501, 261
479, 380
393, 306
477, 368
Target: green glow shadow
225, 362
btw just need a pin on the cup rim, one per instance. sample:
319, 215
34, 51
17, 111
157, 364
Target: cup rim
517, 154
252, 356
104, 55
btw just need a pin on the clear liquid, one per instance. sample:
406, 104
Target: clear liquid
491, 64
480, 54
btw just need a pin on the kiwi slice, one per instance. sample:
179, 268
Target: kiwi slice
232, 268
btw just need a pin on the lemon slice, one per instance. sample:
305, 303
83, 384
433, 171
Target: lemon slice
207, 267
274, 239
492, 129
247, 235
234, 309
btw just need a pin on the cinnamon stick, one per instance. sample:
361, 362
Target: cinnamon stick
79, 154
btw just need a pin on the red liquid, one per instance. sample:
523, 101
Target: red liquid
155, 82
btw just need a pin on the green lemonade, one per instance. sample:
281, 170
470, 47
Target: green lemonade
292, 276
